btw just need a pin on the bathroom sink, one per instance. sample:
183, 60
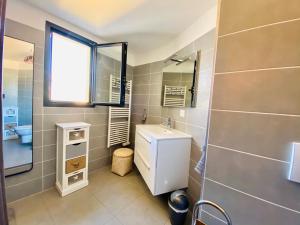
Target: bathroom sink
161, 132
162, 156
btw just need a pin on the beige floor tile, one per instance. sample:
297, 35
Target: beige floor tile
144, 211
31, 211
108, 200
114, 221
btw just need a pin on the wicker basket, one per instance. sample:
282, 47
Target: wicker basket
122, 161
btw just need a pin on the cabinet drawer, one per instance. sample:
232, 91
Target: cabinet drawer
144, 169
75, 164
76, 135
75, 150
75, 178
143, 147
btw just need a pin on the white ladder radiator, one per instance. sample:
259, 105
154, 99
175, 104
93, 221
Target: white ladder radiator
119, 117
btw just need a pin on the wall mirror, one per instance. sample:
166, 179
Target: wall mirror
17, 105
179, 83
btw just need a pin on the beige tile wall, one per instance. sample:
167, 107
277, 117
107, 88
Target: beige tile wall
147, 84
255, 113
42, 176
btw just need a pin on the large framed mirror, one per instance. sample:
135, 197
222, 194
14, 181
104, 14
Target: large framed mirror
179, 83
17, 105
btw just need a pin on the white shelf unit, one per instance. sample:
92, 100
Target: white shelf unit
119, 117
174, 96
72, 157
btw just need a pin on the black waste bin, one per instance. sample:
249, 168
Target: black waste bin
178, 207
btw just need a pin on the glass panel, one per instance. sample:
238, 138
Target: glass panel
178, 89
17, 105
109, 67
71, 64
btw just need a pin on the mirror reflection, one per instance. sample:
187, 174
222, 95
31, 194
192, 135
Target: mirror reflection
178, 83
108, 74
17, 105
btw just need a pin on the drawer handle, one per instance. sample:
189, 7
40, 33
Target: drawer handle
76, 165
77, 144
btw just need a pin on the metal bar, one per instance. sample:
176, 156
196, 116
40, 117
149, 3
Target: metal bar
206, 202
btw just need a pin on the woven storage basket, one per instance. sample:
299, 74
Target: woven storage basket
122, 161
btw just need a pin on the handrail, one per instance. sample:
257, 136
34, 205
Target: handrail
206, 202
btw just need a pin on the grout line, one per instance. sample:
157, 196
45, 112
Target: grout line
261, 199
195, 180
256, 70
98, 136
247, 153
253, 112
96, 148
48, 160
48, 145
25, 197
217, 218
30, 180
259, 27
99, 158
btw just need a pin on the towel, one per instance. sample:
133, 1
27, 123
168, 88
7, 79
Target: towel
200, 167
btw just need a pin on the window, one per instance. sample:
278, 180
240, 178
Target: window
75, 74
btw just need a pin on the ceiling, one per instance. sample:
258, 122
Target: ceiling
16, 50
145, 24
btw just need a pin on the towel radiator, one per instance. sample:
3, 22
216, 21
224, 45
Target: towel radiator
119, 117
205, 202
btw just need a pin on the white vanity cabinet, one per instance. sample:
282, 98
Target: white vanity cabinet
162, 156
72, 157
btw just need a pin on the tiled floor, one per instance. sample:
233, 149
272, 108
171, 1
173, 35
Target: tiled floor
108, 200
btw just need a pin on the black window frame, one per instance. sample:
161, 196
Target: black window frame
50, 28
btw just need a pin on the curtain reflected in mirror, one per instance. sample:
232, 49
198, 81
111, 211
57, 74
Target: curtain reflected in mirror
17, 105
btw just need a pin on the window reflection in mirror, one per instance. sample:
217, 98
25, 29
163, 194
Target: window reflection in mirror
17, 105
108, 73
178, 83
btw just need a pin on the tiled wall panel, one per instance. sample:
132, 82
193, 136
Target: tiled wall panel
255, 113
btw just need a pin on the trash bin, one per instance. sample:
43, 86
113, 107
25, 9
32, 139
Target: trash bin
178, 207
122, 161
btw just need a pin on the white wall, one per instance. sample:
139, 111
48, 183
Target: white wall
26, 14
204, 24
33, 17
